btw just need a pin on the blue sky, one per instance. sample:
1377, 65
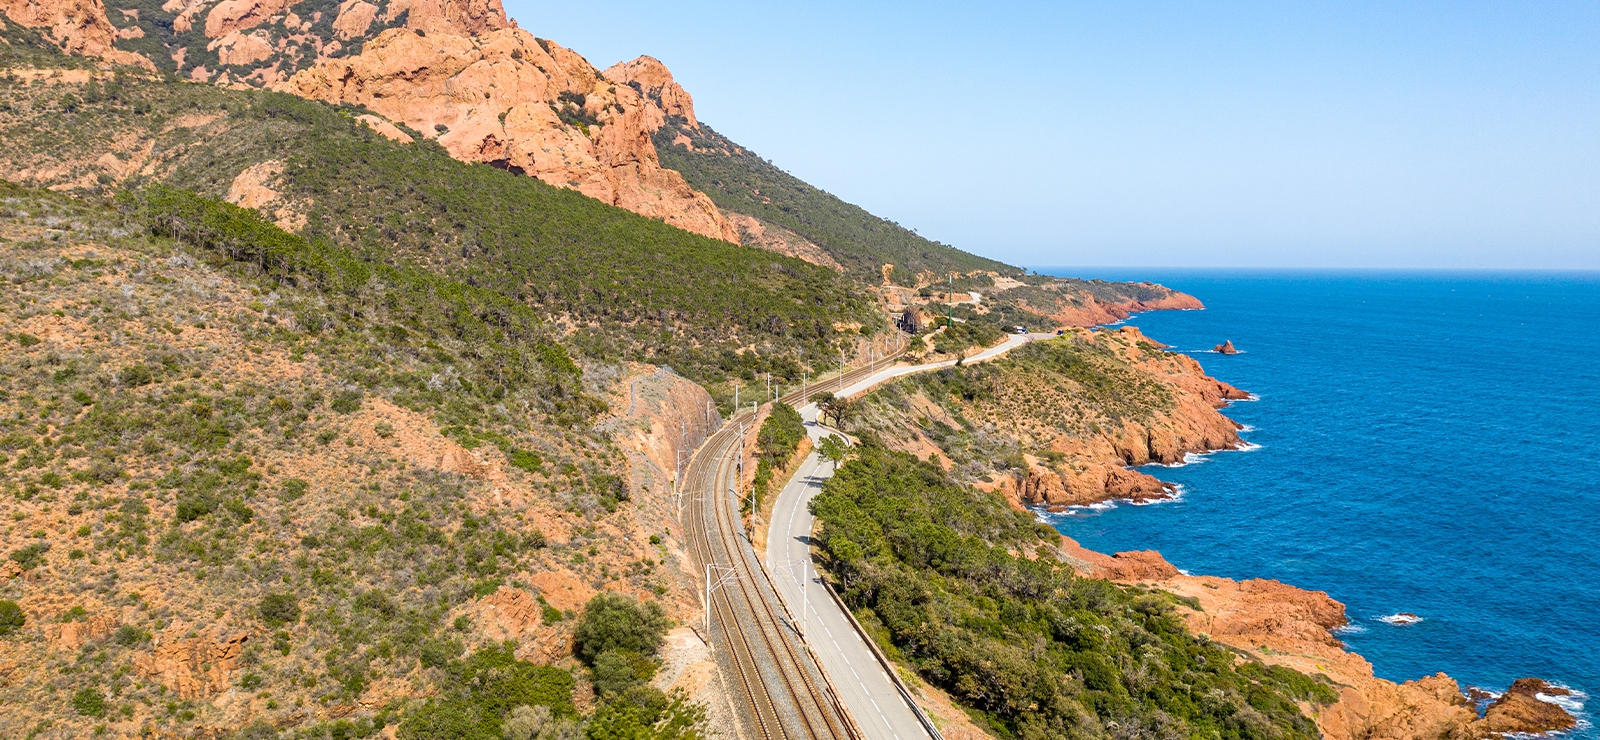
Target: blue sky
1384, 134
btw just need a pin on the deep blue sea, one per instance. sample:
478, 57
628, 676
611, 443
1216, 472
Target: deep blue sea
1428, 442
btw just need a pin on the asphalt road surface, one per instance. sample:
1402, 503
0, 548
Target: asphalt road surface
859, 679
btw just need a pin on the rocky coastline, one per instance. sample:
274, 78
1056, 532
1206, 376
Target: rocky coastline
1075, 451
1280, 624
1089, 469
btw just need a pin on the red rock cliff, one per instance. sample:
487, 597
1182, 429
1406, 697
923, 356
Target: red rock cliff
459, 71
77, 26
529, 106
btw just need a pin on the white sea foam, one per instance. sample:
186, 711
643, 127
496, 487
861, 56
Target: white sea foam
1246, 446
1093, 508
1046, 515
1572, 702
1401, 620
1189, 458
1350, 629
1177, 494
1246, 428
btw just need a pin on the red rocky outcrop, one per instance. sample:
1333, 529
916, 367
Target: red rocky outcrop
530, 106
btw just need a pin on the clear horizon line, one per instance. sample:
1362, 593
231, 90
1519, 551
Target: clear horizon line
1041, 269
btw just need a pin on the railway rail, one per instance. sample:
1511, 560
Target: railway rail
785, 694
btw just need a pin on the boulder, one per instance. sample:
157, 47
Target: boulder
1521, 711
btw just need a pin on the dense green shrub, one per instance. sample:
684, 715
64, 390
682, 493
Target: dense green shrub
257, 730
644, 712
969, 594
965, 335
11, 617
135, 376
781, 433
437, 651
615, 671
293, 488
776, 442
481, 692
279, 609
89, 702
529, 461
30, 556
613, 621
130, 636
515, 347
346, 402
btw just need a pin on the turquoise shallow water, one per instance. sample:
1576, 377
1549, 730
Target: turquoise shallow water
1428, 443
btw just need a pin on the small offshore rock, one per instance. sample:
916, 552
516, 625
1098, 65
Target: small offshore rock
1520, 710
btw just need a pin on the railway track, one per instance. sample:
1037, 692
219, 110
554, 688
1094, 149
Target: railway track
785, 694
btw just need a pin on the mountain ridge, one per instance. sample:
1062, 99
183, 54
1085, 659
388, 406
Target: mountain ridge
546, 111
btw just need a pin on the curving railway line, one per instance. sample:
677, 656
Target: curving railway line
785, 694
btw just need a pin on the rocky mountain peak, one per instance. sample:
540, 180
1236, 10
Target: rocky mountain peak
651, 79
530, 106
458, 17
458, 71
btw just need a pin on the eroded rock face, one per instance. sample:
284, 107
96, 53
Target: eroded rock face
239, 49
650, 78
77, 26
456, 70
229, 16
457, 17
753, 232
71, 636
528, 106
1226, 348
1520, 710
258, 186
193, 667
1099, 467
354, 18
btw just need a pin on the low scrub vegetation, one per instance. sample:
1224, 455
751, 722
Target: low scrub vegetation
211, 428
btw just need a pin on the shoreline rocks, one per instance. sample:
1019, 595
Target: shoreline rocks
1226, 348
1280, 624
1520, 710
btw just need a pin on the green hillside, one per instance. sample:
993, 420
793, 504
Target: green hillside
740, 181
623, 286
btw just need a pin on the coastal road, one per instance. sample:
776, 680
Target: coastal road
779, 688
764, 664
860, 679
